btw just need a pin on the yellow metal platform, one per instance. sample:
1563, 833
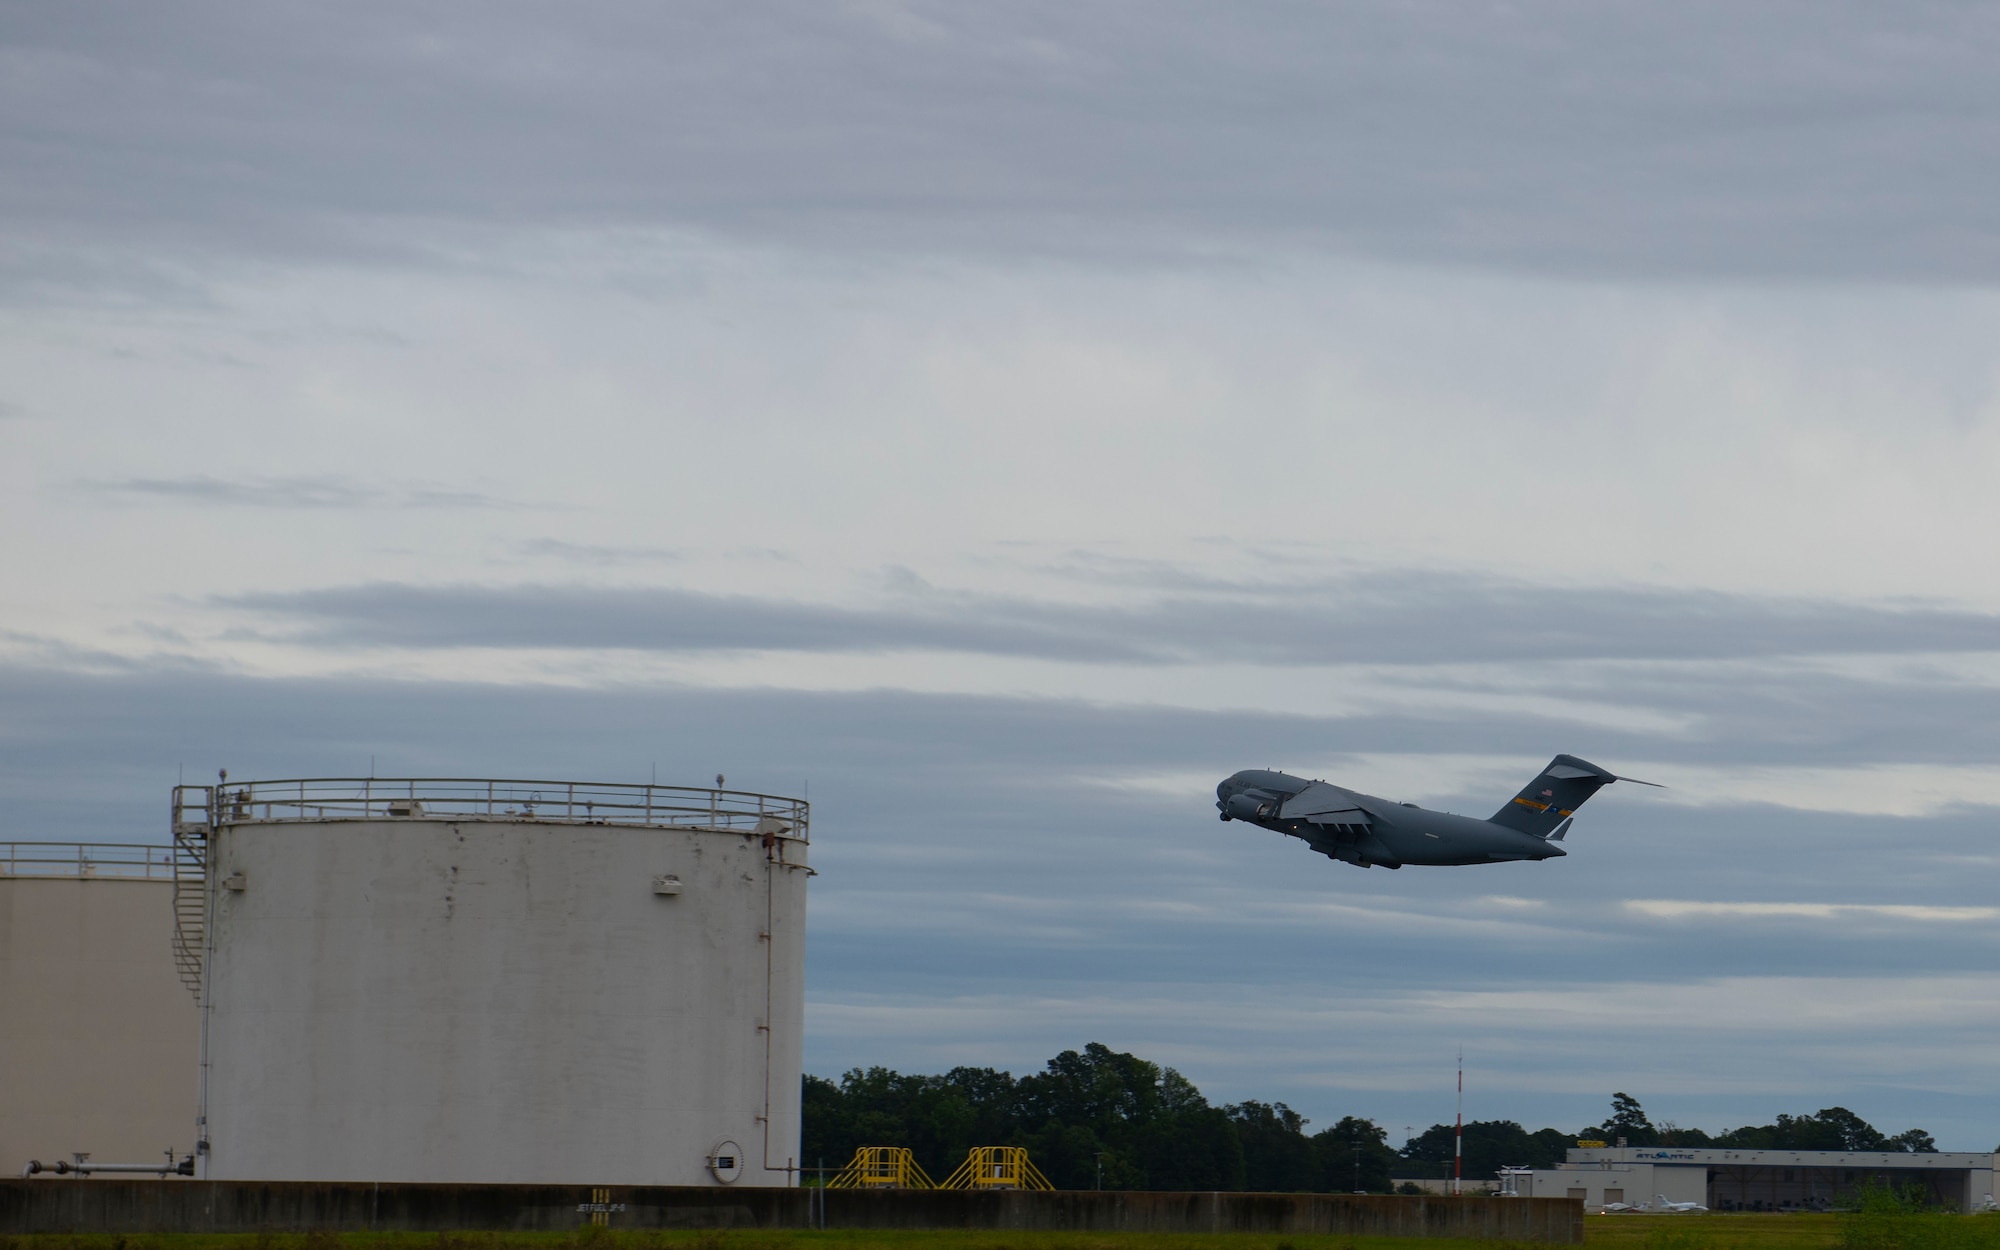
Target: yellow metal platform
882, 1167
997, 1167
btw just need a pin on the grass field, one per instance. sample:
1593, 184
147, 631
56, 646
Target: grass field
1616, 1232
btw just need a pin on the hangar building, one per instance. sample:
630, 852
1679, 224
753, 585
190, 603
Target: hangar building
1755, 1180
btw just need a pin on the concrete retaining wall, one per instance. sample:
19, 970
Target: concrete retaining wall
139, 1206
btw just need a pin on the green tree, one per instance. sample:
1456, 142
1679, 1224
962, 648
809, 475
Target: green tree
1189, 1144
1352, 1141
1277, 1156
1832, 1128
1672, 1134
826, 1129
991, 1096
1098, 1112
1841, 1129
1489, 1146
1154, 1127
1070, 1155
1550, 1146
1629, 1121
1193, 1148
1096, 1086
937, 1117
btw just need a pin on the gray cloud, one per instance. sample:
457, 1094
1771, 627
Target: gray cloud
663, 620
255, 491
1734, 673
1794, 138
1775, 713
601, 554
1389, 618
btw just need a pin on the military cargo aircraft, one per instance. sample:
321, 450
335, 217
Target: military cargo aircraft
1366, 831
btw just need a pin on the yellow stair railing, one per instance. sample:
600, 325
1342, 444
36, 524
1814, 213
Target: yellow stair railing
997, 1167
881, 1167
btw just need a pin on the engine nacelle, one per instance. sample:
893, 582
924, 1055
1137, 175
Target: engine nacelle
1250, 805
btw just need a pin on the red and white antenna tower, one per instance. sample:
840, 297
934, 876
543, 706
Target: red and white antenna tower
1458, 1136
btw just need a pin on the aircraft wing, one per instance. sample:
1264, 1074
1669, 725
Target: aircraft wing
1322, 804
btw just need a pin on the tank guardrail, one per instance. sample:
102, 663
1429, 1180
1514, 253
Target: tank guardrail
132, 860
465, 798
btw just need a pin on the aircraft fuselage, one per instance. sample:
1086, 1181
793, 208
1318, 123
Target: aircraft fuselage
1372, 831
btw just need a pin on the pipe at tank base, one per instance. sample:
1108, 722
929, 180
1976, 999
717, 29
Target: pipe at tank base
172, 1167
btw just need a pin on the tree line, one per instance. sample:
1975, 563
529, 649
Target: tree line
1099, 1117
1833, 1128
1493, 1144
1092, 1117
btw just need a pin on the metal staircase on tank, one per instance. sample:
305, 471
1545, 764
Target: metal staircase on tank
193, 806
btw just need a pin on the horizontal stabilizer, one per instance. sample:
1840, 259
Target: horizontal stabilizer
1571, 772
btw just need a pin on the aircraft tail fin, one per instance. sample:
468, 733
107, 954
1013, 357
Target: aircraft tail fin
1544, 806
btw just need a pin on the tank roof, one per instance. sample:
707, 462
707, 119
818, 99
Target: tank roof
320, 799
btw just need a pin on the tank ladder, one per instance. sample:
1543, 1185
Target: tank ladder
191, 882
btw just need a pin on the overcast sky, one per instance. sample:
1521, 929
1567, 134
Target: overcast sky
1008, 420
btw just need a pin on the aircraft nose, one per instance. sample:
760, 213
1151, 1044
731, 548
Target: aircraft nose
1229, 788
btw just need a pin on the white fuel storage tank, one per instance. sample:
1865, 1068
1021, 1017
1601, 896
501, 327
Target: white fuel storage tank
499, 981
97, 1034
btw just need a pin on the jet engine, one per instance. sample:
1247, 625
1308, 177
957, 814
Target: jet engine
1250, 805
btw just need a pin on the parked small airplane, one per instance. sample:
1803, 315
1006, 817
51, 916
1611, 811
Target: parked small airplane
1664, 1205
1363, 830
